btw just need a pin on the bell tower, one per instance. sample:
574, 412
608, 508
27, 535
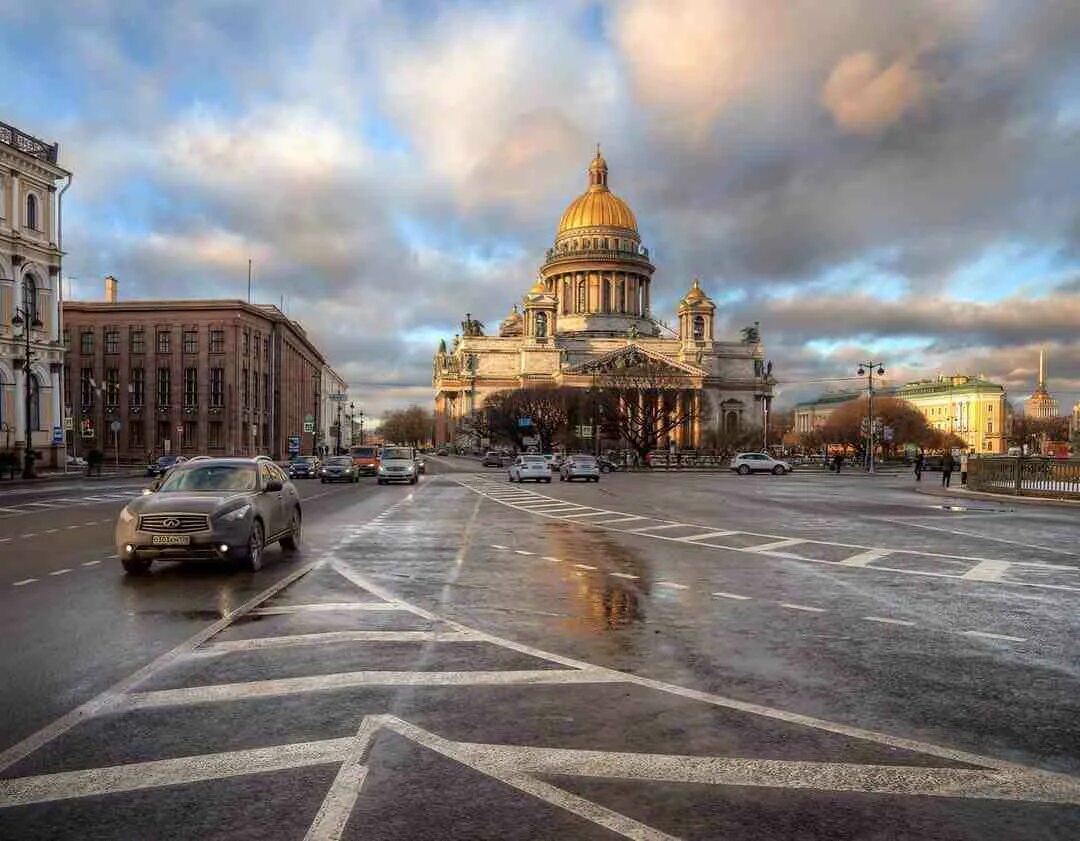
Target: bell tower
696, 316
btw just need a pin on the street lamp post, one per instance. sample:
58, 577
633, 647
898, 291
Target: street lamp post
361, 427
867, 369
29, 321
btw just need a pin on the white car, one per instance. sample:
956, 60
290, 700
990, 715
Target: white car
397, 464
579, 467
529, 467
746, 463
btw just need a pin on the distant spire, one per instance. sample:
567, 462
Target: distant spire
1042, 367
598, 171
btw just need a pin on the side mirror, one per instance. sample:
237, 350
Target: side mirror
273, 486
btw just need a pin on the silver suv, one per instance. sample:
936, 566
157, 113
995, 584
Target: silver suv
398, 464
211, 509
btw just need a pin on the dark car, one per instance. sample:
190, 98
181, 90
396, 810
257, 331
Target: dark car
492, 459
442, 451
217, 509
304, 467
338, 469
163, 465
607, 465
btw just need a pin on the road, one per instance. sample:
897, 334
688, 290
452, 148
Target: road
657, 656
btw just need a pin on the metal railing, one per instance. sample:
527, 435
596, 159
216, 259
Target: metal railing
1025, 476
28, 143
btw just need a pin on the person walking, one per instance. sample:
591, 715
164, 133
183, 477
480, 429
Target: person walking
920, 465
963, 468
838, 462
947, 465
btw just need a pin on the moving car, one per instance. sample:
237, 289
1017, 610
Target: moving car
163, 465
365, 460
338, 469
529, 467
746, 463
492, 459
397, 464
421, 465
304, 467
607, 465
215, 509
442, 451
579, 467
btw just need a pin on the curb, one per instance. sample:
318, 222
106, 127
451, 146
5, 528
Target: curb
1004, 499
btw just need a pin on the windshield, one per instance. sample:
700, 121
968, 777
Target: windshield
535, 460
211, 477
340, 462
166, 460
584, 460
397, 452
304, 460
365, 452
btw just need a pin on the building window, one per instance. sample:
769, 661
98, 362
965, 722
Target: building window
135, 437
541, 325
255, 390
699, 328
31, 212
247, 344
137, 387
191, 341
989, 427
191, 435
217, 387
137, 341
67, 339
214, 438
217, 341
191, 386
164, 341
112, 341
112, 387
244, 394
266, 391
162, 431
164, 386
86, 342
86, 387
266, 350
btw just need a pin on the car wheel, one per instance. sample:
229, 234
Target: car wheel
323, 481
413, 480
744, 470
778, 470
136, 565
291, 541
548, 480
252, 557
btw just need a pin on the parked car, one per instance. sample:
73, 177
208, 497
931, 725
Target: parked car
304, 467
397, 464
607, 465
442, 451
745, 463
492, 459
529, 467
76, 461
552, 464
217, 509
365, 460
163, 464
338, 469
579, 467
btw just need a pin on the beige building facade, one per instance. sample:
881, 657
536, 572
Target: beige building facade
591, 306
30, 292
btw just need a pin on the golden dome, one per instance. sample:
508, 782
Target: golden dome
597, 207
538, 288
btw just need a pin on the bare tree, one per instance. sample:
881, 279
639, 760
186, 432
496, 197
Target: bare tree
537, 410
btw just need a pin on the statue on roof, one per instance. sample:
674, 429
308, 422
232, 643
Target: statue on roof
471, 327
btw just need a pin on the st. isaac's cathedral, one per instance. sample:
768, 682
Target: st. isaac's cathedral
590, 307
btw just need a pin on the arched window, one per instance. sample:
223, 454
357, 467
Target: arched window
31, 211
582, 297
699, 328
29, 301
35, 403
541, 325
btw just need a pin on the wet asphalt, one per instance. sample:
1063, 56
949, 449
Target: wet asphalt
657, 656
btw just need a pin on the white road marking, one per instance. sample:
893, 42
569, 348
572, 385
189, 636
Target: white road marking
777, 544
625, 575
523, 552
4, 539
275, 610
987, 570
24, 581
497, 546
990, 636
92, 563
28, 534
586, 514
279, 687
703, 536
805, 607
584, 566
672, 585
664, 526
886, 621
553, 560
60, 571
865, 558
72, 527
51, 531
328, 637
724, 595
620, 520
337, 806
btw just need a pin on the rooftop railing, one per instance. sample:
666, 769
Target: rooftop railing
28, 143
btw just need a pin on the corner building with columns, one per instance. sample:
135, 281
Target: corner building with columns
591, 308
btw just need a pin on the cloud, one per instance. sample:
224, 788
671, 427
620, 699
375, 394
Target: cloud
865, 97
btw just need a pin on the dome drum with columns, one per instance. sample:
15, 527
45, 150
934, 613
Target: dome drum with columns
590, 303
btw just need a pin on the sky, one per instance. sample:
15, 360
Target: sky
889, 181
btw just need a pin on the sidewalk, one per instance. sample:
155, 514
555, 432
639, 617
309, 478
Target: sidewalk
1005, 499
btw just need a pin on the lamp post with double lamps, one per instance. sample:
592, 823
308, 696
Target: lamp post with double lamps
28, 321
867, 369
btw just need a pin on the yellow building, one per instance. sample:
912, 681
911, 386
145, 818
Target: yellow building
590, 307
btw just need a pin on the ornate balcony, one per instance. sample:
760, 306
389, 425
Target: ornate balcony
554, 256
28, 144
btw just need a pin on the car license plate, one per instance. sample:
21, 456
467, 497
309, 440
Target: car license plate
170, 539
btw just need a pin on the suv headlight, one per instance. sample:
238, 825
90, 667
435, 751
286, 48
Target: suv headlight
235, 514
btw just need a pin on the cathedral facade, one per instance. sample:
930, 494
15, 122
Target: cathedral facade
590, 308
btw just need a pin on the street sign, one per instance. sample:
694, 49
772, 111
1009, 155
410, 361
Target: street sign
69, 423
57, 435
180, 429
309, 419
294, 445
115, 426
530, 440
309, 426
86, 430
525, 422
340, 398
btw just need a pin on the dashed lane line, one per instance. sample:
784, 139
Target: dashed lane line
63, 571
553, 560
991, 636
588, 567
671, 585
92, 563
24, 582
885, 620
626, 575
804, 607
735, 596
523, 552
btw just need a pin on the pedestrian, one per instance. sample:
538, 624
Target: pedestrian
963, 468
838, 461
947, 465
920, 465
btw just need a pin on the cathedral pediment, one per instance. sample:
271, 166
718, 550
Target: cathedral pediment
635, 356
